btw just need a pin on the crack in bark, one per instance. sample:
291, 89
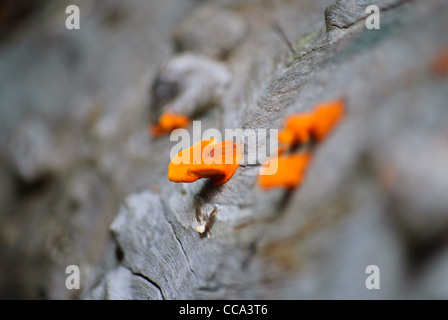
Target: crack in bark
178, 240
226, 287
152, 282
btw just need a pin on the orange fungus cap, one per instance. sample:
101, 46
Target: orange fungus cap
300, 125
290, 172
327, 115
206, 159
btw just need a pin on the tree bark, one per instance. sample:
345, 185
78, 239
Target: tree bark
355, 207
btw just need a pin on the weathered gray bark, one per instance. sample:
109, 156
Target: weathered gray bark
375, 193
348, 214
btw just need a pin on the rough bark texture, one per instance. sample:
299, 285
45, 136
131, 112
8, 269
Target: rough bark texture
375, 193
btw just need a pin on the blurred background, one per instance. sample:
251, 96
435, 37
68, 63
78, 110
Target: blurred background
75, 107
71, 100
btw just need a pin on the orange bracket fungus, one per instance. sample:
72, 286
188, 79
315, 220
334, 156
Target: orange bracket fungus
317, 124
300, 129
297, 130
326, 116
206, 159
168, 122
290, 171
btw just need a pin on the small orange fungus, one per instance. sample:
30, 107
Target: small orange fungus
286, 140
297, 129
317, 124
168, 122
290, 173
326, 116
206, 159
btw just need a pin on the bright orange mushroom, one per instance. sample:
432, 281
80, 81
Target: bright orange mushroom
317, 124
206, 159
297, 131
300, 125
286, 140
326, 116
168, 122
300, 128
286, 137
290, 173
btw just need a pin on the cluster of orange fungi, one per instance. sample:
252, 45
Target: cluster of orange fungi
219, 160
302, 129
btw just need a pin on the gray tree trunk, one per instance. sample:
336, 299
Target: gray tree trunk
369, 197
374, 194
